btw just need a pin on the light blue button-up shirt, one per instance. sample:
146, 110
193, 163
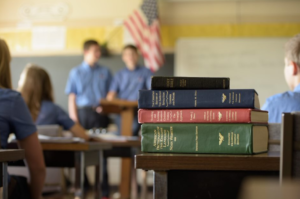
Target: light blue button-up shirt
284, 102
127, 83
51, 113
89, 84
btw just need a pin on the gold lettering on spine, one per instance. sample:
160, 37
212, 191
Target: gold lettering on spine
153, 98
228, 139
158, 139
233, 139
182, 83
196, 139
165, 138
168, 138
159, 98
195, 104
173, 99
155, 137
171, 138
161, 137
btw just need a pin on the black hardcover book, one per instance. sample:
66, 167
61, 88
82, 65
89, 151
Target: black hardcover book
159, 82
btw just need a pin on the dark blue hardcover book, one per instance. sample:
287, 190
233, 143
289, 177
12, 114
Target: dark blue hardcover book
172, 99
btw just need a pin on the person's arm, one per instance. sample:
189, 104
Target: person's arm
79, 131
36, 164
71, 91
113, 89
72, 107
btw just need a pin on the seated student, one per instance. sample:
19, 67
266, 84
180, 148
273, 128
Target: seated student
15, 117
288, 101
128, 81
36, 89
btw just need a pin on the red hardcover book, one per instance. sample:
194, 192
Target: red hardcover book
202, 116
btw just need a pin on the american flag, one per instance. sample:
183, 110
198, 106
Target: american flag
143, 26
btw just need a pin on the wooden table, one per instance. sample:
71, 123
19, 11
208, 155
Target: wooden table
7, 155
78, 155
204, 176
127, 110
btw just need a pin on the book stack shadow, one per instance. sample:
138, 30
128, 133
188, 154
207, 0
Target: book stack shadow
201, 115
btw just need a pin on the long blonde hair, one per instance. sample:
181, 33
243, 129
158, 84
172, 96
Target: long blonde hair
5, 58
35, 86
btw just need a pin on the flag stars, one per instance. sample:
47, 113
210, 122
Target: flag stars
149, 7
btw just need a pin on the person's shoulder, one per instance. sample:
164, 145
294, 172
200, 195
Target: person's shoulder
121, 71
50, 105
9, 94
103, 68
75, 70
280, 97
145, 70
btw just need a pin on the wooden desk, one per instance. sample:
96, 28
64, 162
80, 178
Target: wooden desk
126, 109
204, 176
78, 155
7, 155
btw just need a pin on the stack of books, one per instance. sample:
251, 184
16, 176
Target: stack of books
201, 115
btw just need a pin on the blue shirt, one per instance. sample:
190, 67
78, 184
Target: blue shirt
284, 102
50, 113
127, 83
89, 84
14, 116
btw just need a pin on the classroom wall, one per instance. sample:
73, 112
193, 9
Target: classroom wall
99, 19
60, 66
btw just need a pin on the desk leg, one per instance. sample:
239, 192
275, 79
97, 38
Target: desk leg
79, 175
5, 180
98, 177
134, 184
144, 185
160, 186
125, 178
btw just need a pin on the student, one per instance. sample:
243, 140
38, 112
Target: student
36, 89
15, 117
288, 101
128, 81
88, 83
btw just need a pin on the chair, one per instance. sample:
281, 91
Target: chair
290, 146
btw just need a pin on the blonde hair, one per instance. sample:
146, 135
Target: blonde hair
35, 86
5, 58
292, 49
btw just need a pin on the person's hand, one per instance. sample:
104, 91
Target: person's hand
99, 109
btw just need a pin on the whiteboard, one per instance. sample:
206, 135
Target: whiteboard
256, 63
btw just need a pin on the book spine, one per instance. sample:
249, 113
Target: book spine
197, 138
169, 99
194, 116
189, 83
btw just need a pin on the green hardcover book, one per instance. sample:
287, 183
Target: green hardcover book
205, 138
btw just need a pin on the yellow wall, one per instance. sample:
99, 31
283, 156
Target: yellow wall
97, 18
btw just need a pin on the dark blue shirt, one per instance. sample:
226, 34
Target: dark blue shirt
127, 83
51, 113
89, 84
284, 102
14, 117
